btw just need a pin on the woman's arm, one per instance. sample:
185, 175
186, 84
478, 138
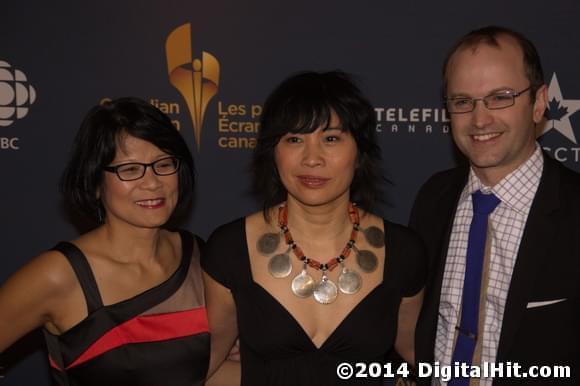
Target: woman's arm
407, 321
228, 374
221, 311
30, 297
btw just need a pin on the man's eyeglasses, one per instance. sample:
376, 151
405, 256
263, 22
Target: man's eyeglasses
134, 170
495, 101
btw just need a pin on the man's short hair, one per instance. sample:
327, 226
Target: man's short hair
489, 35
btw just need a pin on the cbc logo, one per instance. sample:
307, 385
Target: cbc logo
16, 94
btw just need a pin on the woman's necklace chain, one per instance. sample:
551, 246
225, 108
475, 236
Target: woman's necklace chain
304, 285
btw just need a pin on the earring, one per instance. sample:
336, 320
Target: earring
100, 214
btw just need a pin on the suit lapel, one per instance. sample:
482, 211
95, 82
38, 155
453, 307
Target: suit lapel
538, 233
445, 203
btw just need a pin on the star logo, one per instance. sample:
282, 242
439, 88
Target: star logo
559, 111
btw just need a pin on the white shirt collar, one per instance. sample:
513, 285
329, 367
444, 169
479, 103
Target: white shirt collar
517, 189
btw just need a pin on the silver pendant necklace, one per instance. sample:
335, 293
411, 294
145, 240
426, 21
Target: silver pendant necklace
303, 284
325, 291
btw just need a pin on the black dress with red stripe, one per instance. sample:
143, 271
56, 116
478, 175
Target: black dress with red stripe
158, 337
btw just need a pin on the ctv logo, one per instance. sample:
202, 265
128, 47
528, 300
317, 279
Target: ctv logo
560, 116
559, 111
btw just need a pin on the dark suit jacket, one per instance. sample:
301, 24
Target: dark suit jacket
547, 268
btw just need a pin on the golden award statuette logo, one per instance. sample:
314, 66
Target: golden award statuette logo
197, 80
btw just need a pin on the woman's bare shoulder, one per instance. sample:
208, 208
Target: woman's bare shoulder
370, 219
263, 220
33, 294
51, 269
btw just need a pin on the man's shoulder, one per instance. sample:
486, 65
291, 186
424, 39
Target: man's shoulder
446, 179
437, 196
569, 179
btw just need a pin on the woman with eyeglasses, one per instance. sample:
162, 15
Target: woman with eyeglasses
122, 304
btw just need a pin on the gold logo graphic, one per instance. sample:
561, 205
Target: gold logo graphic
197, 80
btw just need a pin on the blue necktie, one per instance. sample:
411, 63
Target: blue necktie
483, 205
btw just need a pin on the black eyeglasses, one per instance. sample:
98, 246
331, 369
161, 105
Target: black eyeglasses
495, 101
134, 170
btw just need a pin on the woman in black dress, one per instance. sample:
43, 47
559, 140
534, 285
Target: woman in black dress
122, 304
314, 280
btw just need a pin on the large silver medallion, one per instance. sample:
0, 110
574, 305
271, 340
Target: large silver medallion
280, 266
366, 260
349, 281
303, 284
268, 243
326, 291
375, 236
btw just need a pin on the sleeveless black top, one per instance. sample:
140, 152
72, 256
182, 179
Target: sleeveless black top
158, 337
276, 351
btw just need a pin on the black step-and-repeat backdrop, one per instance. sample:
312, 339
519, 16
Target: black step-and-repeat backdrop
209, 66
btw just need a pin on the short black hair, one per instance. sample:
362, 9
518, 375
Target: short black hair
489, 35
95, 146
303, 103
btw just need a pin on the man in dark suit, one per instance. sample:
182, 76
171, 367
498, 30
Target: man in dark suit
529, 284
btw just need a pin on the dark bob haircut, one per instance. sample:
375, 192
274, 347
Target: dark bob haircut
489, 35
303, 103
95, 146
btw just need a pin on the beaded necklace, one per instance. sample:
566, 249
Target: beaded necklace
304, 285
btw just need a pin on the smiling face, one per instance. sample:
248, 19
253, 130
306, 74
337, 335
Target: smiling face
496, 142
147, 202
317, 168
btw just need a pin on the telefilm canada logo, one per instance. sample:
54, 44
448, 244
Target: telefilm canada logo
412, 120
16, 97
198, 81
558, 115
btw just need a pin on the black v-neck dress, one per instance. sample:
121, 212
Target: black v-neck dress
158, 337
274, 348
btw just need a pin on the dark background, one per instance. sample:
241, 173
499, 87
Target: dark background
76, 53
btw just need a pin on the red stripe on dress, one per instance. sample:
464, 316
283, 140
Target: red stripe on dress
147, 328
53, 364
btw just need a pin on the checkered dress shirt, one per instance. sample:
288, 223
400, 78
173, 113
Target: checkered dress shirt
516, 192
